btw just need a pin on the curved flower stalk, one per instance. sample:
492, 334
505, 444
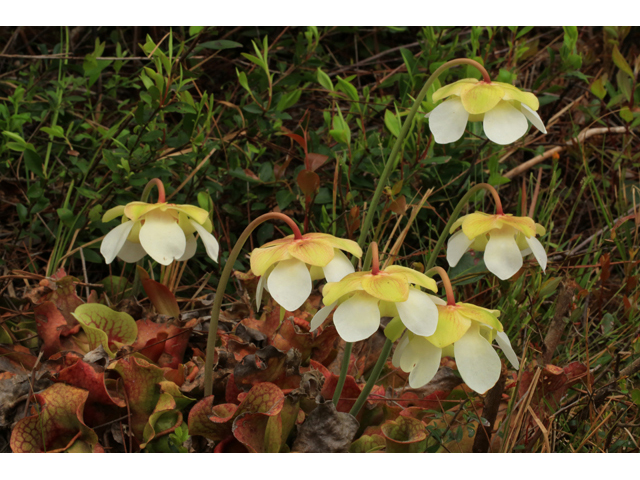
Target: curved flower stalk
364, 297
505, 240
162, 230
464, 331
502, 108
287, 266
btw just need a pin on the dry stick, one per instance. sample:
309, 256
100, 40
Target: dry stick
584, 135
482, 442
554, 335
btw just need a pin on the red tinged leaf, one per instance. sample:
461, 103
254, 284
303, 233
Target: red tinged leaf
368, 443
51, 324
106, 327
56, 423
218, 422
299, 140
61, 290
160, 296
316, 160
80, 374
399, 205
405, 435
309, 182
294, 333
162, 343
16, 359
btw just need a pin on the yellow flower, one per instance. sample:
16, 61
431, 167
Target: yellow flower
502, 108
464, 331
163, 230
284, 266
509, 239
364, 297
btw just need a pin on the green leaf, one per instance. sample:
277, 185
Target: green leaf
347, 88
620, 62
67, 216
635, 396
289, 99
284, 198
392, 122
598, 87
324, 80
56, 131
218, 45
33, 162
242, 78
106, 327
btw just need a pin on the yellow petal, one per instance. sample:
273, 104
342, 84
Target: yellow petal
279, 241
457, 223
263, 258
198, 214
480, 243
333, 291
479, 314
526, 225
135, 210
478, 223
513, 93
481, 98
451, 326
540, 230
134, 235
112, 213
392, 287
311, 251
388, 309
340, 243
415, 277
456, 88
185, 225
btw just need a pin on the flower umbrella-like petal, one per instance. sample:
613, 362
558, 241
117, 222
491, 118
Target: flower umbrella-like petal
504, 124
525, 225
392, 287
190, 249
162, 238
262, 258
538, 251
320, 316
418, 313
112, 213
290, 284
131, 252
114, 241
502, 255
477, 361
397, 353
415, 277
339, 243
533, 117
199, 215
427, 366
482, 315
210, 243
448, 121
514, 93
333, 291
451, 326
482, 98
478, 223
357, 318
311, 251
458, 244
135, 210
259, 289
505, 345
338, 268
456, 88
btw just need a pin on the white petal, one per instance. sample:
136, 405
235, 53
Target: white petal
290, 284
525, 252
131, 252
458, 244
437, 300
533, 117
114, 241
538, 251
338, 268
261, 284
504, 124
418, 313
428, 365
397, 354
502, 255
357, 318
448, 121
505, 345
210, 243
190, 249
320, 316
478, 363
162, 238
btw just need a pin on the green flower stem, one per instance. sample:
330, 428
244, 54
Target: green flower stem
373, 378
391, 161
454, 216
343, 372
222, 285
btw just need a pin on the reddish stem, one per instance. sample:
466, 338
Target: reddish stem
375, 260
496, 197
446, 282
485, 75
158, 183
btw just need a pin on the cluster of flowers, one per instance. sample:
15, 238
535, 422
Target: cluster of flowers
288, 266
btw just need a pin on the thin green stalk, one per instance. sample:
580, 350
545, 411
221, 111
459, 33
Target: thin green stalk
222, 285
373, 378
391, 161
343, 372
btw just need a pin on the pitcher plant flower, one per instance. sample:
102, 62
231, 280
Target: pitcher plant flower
505, 240
363, 298
288, 266
502, 108
162, 230
464, 331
